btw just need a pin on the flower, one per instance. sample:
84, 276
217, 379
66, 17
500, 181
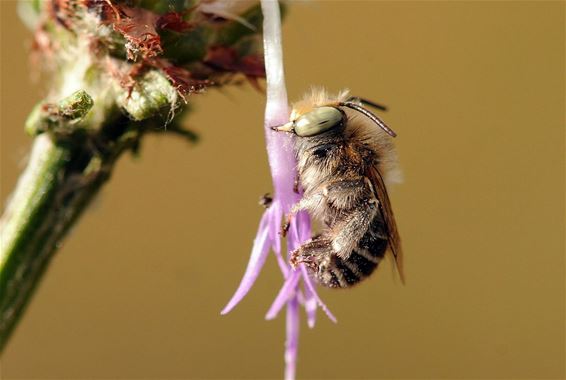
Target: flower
283, 170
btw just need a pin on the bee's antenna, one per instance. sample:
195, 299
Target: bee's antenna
378, 106
370, 115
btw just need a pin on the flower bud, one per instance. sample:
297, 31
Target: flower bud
150, 95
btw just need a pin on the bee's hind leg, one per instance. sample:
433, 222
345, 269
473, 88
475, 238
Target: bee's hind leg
312, 253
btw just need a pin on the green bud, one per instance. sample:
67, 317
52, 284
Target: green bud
60, 118
151, 94
75, 106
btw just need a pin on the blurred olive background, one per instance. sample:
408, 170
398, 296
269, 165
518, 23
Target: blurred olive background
476, 94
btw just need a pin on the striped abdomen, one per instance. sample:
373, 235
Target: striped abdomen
362, 261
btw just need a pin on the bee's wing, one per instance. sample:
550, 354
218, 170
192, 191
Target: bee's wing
387, 212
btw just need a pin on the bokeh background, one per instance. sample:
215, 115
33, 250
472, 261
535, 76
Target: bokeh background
476, 93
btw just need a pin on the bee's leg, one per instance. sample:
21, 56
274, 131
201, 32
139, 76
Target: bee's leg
304, 204
348, 231
312, 252
286, 225
288, 220
355, 196
296, 183
346, 194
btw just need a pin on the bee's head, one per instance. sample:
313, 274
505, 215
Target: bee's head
314, 122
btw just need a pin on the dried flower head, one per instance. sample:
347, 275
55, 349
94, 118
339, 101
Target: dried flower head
122, 46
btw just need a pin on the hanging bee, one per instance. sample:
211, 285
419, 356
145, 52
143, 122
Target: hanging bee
344, 154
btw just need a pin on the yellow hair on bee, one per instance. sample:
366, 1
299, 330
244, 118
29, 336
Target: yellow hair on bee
317, 97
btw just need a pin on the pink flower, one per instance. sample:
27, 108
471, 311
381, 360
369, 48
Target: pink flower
283, 170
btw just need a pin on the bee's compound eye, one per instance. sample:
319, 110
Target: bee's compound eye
317, 121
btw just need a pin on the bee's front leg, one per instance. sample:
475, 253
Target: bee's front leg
304, 204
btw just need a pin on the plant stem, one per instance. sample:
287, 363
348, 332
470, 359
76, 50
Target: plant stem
23, 227
60, 180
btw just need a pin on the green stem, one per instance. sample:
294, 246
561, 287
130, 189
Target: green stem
58, 184
25, 227
77, 144
61, 178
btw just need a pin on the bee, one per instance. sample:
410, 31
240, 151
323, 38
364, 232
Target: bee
344, 156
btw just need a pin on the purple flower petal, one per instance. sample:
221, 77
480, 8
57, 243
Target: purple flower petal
292, 342
309, 285
257, 260
276, 108
293, 241
304, 222
274, 230
279, 145
310, 306
288, 290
